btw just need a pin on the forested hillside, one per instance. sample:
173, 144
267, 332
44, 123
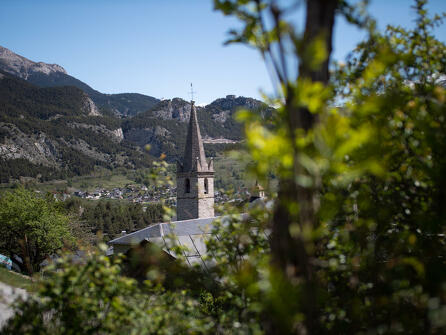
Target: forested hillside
122, 104
164, 127
52, 75
53, 125
109, 218
57, 132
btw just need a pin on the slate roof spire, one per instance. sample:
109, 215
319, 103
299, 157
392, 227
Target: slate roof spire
194, 158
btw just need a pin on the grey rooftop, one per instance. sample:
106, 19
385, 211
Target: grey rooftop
190, 234
178, 228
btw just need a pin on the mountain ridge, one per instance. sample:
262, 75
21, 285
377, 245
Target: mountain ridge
52, 75
20, 66
51, 124
57, 132
164, 126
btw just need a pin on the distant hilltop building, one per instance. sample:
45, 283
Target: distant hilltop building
195, 176
231, 96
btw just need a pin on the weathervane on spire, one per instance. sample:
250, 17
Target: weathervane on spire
192, 92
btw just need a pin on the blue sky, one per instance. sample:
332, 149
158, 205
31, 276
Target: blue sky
157, 47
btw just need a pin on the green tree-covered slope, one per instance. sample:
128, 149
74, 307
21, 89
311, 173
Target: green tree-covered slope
52, 75
57, 132
164, 126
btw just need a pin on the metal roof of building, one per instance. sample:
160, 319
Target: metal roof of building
177, 228
189, 234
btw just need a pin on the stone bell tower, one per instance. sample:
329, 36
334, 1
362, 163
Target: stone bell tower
195, 176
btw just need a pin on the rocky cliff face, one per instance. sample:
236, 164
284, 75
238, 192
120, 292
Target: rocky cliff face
22, 67
159, 138
165, 126
66, 127
220, 110
115, 135
232, 102
36, 148
41, 149
90, 107
57, 132
118, 134
174, 109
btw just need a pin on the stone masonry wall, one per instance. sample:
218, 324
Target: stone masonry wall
196, 204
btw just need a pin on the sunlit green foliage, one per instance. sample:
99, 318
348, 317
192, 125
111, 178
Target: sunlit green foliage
32, 227
93, 298
377, 155
108, 218
15, 279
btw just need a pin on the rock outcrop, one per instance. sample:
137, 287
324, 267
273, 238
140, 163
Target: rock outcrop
8, 296
90, 107
115, 135
175, 109
118, 134
54, 132
23, 67
37, 148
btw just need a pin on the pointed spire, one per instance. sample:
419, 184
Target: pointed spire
194, 158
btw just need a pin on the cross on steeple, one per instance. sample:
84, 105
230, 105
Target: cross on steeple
192, 92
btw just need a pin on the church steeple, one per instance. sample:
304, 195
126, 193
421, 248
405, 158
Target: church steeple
195, 176
194, 158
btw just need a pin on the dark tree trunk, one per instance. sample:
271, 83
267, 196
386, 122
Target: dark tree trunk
26, 255
290, 254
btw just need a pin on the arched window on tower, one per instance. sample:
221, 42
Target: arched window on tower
187, 186
206, 186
